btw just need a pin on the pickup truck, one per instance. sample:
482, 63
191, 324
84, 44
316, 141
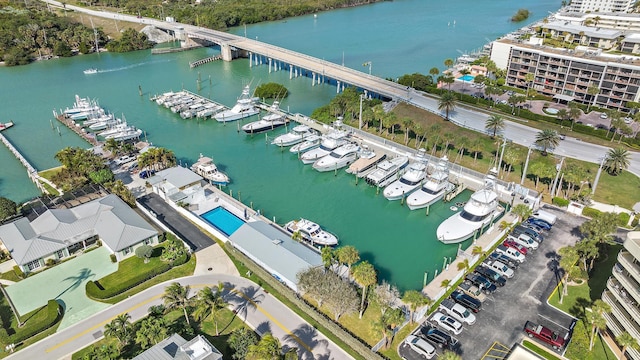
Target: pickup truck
481, 282
457, 311
470, 289
544, 334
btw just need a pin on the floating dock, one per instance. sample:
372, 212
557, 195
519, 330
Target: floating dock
76, 128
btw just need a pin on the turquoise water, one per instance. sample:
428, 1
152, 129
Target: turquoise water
400, 243
468, 78
223, 220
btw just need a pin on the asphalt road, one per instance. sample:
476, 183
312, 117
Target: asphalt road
259, 309
523, 298
176, 222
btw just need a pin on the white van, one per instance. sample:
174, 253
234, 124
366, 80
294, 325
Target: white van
545, 215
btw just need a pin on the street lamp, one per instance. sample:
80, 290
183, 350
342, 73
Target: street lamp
360, 118
368, 63
526, 165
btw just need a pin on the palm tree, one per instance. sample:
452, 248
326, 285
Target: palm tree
176, 296
347, 255
477, 250
568, 259
596, 319
547, 138
408, 124
447, 103
119, 328
529, 77
365, 275
434, 72
627, 340
415, 299
592, 90
449, 355
617, 160
476, 147
445, 284
464, 265
268, 348
328, 256
522, 211
448, 63
573, 114
494, 123
210, 303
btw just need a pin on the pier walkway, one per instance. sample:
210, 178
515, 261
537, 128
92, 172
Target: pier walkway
204, 61
90, 138
31, 171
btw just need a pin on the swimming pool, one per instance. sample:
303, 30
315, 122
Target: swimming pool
467, 78
223, 220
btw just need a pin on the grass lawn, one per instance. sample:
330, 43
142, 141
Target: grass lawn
227, 323
10, 275
49, 173
392, 351
618, 190
131, 267
538, 350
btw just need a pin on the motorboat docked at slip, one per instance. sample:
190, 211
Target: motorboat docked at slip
298, 134
208, 110
274, 119
244, 107
387, 171
479, 211
311, 232
408, 182
101, 125
82, 105
310, 142
338, 158
330, 141
366, 163
433, 189
129, 133
208, 170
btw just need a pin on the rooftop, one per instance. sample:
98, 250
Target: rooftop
176, 176
587, 30
176, 347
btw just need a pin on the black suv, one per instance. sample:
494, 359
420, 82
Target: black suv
437, 337
467, 301
481, 282
492, 275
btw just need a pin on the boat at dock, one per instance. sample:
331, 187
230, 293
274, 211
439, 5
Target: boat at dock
209, 110
481, 209
274, 119
311, 232
298, 134
5, 126
310, 142
366, 163
244, 107
338, 158
128, 134
330, 141
436, 186
81, 105
208, 170
387, 171
409, 182
102, 125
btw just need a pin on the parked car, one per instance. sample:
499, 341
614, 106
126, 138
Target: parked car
447, 322
545, 334
545, 215
500, 268
123, 159
481, 282
457, 311
513, 254
539, 222
467, 301
492, 275
437, 337
524, 240
496, 256
604, 116
519, 230
145, 174
533, 227
420, 346
514, 245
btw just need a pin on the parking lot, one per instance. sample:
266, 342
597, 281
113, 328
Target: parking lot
523, 298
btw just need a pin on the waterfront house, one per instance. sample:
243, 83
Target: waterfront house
60, 233
179, 185
176, 347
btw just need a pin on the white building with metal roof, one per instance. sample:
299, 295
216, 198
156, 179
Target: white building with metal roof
176, 347
178, 184
275, 251
59, 233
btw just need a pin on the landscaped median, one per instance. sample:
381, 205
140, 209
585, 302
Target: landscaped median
35, 322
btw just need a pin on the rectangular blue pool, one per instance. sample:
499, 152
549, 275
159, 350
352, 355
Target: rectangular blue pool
223, 220
467, 78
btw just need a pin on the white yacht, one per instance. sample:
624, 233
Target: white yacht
310, 142
102, 125
366, 163
82, 105
90, 71
129, 133
273, 120
330, 141
433, 189
408, 182
387, 171
244, 107
118, 127
208, 170
481, 209
298, 134
311, 232
208, 110
338, 158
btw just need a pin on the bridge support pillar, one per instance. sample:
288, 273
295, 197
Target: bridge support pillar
250, 60
225, 51
290, 72
366, 94
338, 88
313, 79
269, 65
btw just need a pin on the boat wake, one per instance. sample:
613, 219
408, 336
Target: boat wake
133, 66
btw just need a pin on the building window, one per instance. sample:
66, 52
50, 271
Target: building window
126, 251
60, 254
33, 265
148, 241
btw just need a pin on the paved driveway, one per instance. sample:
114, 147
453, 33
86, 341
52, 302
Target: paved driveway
176, 222
65, 283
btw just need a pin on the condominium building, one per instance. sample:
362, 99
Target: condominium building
623, 292
616, 21
584, 6
570, 75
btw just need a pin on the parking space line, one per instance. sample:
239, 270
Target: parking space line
499, 348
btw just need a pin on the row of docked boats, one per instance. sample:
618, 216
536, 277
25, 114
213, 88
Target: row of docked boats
86, 113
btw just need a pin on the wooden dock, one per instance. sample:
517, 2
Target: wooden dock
204, 61
89, 137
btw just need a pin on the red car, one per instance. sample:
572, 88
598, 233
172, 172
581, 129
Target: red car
512, 244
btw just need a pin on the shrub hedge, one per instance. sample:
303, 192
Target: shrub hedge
590, 212
623, 219
35, 325
560, 201
97, 292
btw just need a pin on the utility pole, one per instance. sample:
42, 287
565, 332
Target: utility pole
555, 181
595, 182
526, 165
504, 145
360, 118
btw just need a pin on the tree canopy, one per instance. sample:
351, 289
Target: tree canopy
8, 208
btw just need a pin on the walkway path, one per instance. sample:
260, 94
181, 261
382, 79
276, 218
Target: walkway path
259, 309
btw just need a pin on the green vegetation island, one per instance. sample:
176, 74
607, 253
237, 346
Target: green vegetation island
521, 15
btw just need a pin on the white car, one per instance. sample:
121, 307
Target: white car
421, 346
447, 322
511, 253
501, 269
458, 312
525, 240
124, 159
